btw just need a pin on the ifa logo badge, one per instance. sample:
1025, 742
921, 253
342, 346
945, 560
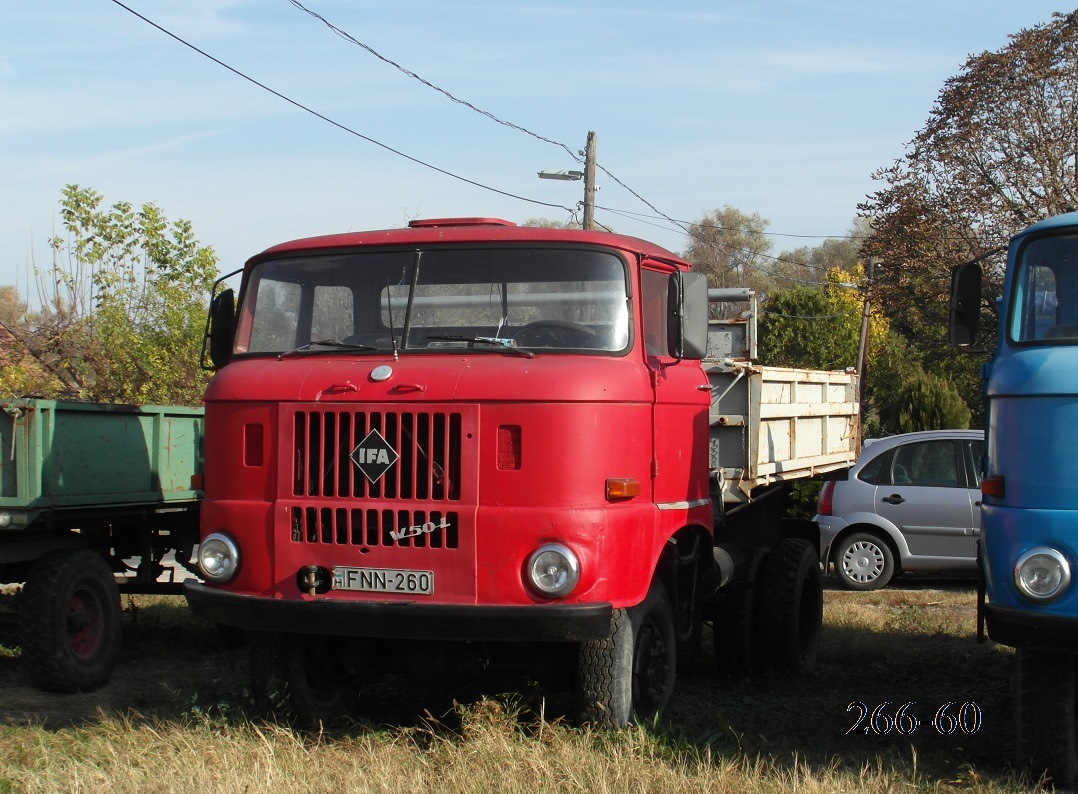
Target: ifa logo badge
374, 456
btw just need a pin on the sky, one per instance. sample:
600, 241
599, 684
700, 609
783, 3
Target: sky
783, 108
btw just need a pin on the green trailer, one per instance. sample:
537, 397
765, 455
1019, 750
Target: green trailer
94, 500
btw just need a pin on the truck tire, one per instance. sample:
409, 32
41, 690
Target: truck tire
265, 665
864, 562
1044, 715
733, 626
322, 685
628, 676
789, 618
69, 621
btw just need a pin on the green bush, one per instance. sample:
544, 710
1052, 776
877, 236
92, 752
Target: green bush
928, 402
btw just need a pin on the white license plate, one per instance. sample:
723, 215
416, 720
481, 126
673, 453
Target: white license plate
384, 580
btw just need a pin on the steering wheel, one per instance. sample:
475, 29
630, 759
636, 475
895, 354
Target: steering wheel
554, 333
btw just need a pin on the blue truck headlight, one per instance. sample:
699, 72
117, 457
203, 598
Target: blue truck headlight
553, 570
1042, 574
218, 557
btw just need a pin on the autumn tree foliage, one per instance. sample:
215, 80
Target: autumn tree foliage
999, 152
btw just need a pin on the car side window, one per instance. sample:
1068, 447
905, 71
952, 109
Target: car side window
975, 451
878, 470
929, 463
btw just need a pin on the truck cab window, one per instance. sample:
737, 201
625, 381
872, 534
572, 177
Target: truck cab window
1045, 303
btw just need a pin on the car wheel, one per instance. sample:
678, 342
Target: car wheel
864, 562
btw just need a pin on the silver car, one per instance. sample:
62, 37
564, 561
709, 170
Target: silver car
910, 503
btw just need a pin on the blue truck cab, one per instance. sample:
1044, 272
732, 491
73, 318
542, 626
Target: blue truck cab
1029, 545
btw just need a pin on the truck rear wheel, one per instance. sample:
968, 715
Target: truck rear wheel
733, 626
629, 675
1044, 713
790, 608
322, 684
70, 622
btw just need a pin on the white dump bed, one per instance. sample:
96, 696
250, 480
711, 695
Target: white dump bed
772, 424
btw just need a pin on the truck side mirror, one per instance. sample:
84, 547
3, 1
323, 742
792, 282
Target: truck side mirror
690, 314
220, 327
965, 313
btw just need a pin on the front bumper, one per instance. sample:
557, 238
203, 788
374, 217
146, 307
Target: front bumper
1023, 628
401, 620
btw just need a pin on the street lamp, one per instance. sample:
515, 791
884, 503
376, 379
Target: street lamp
588, 175
565, 176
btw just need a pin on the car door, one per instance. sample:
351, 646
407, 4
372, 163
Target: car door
929, 500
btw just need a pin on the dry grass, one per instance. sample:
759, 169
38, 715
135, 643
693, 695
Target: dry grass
175, 717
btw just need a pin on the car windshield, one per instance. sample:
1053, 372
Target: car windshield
1045, 304
482, 299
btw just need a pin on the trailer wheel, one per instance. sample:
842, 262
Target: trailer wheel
1044, 714
629, 675
864, 562
732, 626
69, 621
790, 608
322, 684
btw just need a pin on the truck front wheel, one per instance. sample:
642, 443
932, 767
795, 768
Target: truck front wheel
322, 683
1044, 712
70, 622
629, 675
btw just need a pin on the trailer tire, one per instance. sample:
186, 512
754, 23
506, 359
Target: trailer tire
629, 675
790, 608
322, 685
1045, 692
70, 622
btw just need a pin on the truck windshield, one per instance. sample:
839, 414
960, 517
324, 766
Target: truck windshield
484, 299
1044, 309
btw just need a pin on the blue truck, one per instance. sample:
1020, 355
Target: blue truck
1028, 551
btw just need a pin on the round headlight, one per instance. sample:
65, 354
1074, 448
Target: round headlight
553, 570
218, 557
5, 518
1042, 574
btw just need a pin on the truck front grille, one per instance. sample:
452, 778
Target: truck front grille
375, 527
428, 443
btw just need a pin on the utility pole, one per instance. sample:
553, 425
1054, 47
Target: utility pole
862, 348
589, 183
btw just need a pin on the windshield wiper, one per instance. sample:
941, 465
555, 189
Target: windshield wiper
504, 344
325, 343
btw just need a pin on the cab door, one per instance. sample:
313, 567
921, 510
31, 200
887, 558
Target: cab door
681, 400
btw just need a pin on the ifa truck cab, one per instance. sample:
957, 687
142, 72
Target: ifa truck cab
466, 433
1029, 544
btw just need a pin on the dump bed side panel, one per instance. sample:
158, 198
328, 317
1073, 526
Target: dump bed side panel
67, 455
773, 424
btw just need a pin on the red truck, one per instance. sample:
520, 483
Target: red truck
469, 433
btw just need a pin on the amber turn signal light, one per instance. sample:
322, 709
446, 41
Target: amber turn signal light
622, 488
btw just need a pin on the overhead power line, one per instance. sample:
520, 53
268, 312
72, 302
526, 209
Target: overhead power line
337, 124
578, 156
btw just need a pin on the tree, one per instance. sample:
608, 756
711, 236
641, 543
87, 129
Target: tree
732, 248
999, 152
930, 403
123, 304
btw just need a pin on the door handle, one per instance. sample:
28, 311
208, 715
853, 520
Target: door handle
893, 499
